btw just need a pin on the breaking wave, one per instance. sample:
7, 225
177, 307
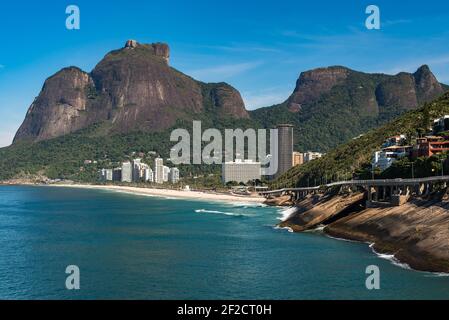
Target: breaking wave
234, 214
283, 228
286, 213
391, 258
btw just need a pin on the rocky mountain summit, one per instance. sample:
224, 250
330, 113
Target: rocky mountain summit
332, 105
133, 88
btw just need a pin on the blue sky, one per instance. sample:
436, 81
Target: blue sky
260, 47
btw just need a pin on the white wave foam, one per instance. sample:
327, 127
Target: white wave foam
234, 214
287, 213
340, 239
283, 228
319, 228
391, 258
437, 274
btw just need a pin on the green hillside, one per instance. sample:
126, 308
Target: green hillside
353, 157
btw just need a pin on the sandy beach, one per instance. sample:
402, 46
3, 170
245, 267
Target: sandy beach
168, 193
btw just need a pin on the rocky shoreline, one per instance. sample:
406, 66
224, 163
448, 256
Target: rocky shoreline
416, 233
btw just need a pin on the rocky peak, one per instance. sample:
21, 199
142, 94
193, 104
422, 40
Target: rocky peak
158, 49
427, 84
131, 44
162, 50
312, 84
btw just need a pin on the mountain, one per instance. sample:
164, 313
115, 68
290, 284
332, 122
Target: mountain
354, 157
332, 105
132, 100
133, 89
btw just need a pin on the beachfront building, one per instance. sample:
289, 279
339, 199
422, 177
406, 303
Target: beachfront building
173, 176
106, 174
166, 172
137, 167
241, 171
127, 172
159, 170
148, 175
117, 174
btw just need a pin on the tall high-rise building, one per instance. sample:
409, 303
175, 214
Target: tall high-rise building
117, 174
106, 174
166, 171
173, 176
127, 172
285, 148
159, 170
148, 175
136, 169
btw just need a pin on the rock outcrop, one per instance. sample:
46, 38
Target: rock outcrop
330, 106
133, 88
416, 233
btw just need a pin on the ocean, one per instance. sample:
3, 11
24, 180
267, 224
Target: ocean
140, 247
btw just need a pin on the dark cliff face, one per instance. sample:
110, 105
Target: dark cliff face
133, 88
330, 106
312, 84
60, 108
227, 101
404, 90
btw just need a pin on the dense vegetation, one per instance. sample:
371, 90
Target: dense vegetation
353, 158
64, 157
336, 117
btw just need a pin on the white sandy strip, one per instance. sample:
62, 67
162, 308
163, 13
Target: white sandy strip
168, 193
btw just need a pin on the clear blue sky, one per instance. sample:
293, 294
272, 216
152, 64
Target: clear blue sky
260, 47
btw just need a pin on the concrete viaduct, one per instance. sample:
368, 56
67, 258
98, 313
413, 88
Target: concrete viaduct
393, 192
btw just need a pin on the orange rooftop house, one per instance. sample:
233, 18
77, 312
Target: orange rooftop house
430, 145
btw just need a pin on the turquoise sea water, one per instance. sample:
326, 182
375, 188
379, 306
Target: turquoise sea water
137, 247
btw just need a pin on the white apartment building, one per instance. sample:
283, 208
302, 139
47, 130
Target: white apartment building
166, 172
309, 156
137, 166
127, 172
240, 171
159, 170
148, 175
173, 177
106, 174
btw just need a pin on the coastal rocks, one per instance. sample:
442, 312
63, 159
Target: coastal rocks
417, 233
315, 211
279, 201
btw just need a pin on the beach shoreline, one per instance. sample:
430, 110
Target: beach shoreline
167, 193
